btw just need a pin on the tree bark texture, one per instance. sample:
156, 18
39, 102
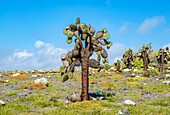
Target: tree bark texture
145, 61
129, 64
162, 62
85, 74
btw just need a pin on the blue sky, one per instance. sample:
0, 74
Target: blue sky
31, 31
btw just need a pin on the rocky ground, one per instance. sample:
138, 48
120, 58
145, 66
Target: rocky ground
111, 93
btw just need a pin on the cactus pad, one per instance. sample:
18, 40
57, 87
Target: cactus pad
69, 40
109, 45
106, 36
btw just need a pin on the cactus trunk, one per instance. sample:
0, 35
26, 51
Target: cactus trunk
85, 74
145, 61
161, 68
129, 64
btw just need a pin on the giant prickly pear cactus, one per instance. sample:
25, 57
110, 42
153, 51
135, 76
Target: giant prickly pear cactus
162, 57
86, 42
117, 65
128, 58
144, 55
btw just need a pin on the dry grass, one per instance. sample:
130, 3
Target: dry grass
32, 86
106, 84
140, 78
19, 77
133, 83
118, 75
9, 72
90, 80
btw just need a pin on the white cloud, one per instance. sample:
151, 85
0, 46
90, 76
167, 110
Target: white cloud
151, 23
44, 56
22, 54
166, 45
38, 44
123, 28
47, 48
115, 52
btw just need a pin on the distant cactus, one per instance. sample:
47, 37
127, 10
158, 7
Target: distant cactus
117, 65
144, 55
128, 58
162, 57
82, 52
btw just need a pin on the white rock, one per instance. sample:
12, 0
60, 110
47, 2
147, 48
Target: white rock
127, 70
41, 71
107, 72
2, 102
37, 81
49, 77
129, 102
167, 75
151, 67
133, 74
16, 74
41, 81
112, 69
123, 112
135, 70
166, 82
102, 70
120, 113
1, 71
92, 98
38, 75
67, 101
138, 76
102, 98
34, 75
6, 81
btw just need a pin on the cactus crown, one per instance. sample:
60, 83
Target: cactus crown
93, 40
